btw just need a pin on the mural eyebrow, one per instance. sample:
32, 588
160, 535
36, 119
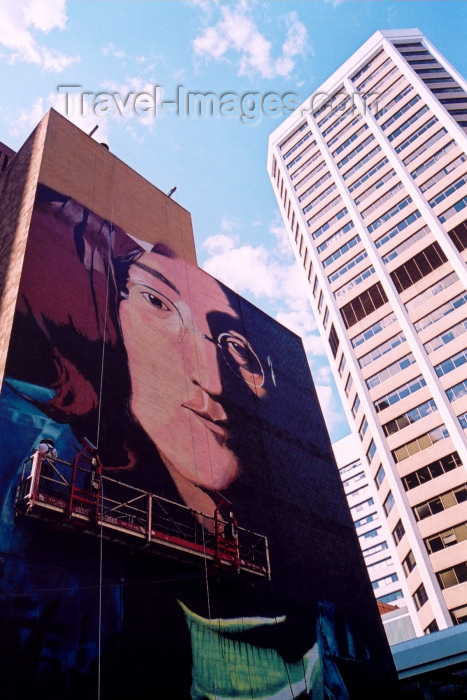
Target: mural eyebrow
158, 275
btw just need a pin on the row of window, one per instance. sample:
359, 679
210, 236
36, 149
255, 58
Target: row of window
398, 228
381, 350
446, 336
373, 75
451, 363
400, 393
320, 198
353, 137
355, 281
400, 112
355, 151
405, 245
348, 266
452, 211
440, 503
346, 128
424, 146
379, 183
379, 583
403, 127
418, 267
432, 291
341, 251
448, 191
298, 158
390, 371
416, 135
422, 442
328, 224
457, 391
339, 121
297, 145
367, 175
431, 471
384, 198
389, 214
446, 538
316, 184
409, 417
395, 99
369, 156
373, 330
306, 164
441, 174
431, 161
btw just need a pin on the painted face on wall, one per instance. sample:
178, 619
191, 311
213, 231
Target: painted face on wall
175, 366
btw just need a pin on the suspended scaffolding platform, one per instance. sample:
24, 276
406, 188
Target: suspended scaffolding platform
75, 496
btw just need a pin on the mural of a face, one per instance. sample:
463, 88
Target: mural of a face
176, 388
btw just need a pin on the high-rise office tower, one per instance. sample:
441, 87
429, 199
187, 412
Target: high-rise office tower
371, 177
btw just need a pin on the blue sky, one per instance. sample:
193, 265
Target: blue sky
218, 164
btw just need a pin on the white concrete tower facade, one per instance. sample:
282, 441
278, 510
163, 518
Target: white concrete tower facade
371, 178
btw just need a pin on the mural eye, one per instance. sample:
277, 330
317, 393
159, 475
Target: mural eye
156, 301
242, 358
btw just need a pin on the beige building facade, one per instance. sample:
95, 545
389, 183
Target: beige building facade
370, 174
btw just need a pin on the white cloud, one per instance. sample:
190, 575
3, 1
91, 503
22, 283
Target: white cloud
236, 35
111, 50
18, 23
268, 277
27, 120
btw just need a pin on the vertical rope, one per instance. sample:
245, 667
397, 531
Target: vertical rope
99, 416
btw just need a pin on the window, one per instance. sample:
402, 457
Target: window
379, 565
335, 237
355, 281
452, 363
453, 576
440, 503
416, 135
296, 147
390, 597
367, 519
362, 162
320, 301
420, 443
441, 196
409, 563
381, 350
315, 287
370, 534
363, 305
390, 370
400, 393
405, 245
379, 583
398, 532
432, 627
371, 451
348, 385
355, 151
459, 615
389, 214
397, 229
373, 330
380, 474
369, 551
431, 292
340, 251
382, 198
409, 417
388, 503
425, 146
348, 266
446, 538
403, 127
458, 236
446, 337
327, 225
363, 428
420, 597
355, 406
342, 364
431, 471
418, 267
319, 198
457, 391
457, 207
326, 318
333, 340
